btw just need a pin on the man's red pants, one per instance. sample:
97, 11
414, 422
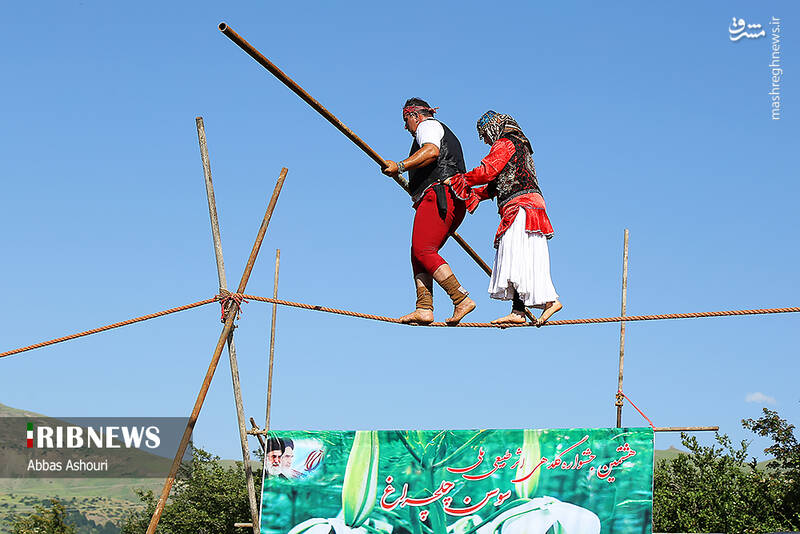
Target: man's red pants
431, 231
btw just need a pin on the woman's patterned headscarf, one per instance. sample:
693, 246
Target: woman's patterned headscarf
494, 125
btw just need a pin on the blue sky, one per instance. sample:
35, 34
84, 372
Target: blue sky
642, 116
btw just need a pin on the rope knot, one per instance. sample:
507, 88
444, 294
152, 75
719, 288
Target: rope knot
228, 300
620, 394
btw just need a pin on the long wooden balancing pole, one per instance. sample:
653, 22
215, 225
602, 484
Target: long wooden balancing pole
212, 367
330, 117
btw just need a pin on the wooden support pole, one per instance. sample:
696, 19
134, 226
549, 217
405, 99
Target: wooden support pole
212, 367
212, 203
272, 338
223, 286
339, 125
254, 432
618, 401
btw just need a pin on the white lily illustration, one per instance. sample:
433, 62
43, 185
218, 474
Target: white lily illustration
464, 524
359, 491
336, 525
360, 486
538, 515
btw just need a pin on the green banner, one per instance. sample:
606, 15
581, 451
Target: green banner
573, 481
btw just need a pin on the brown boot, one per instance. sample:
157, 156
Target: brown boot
423, 314
462, 304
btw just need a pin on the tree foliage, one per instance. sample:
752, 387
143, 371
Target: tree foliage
786, 453
52, 515
206, 499
45, 520
715, 489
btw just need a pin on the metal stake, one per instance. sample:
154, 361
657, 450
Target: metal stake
223, 285
685, 429
272, 338
619, 397
212, 367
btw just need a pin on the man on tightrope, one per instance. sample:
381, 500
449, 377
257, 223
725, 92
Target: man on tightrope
435, 156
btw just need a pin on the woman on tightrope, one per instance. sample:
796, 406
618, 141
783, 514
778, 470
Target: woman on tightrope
521, 271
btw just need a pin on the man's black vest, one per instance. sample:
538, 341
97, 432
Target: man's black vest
449, 163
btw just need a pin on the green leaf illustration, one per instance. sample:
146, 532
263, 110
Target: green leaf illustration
532, 455
360, 486
305, 526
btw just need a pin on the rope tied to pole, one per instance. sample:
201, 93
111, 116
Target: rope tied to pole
227, 301
621, 394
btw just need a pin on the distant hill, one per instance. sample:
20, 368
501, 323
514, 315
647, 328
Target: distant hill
668, 454
672, 453
8, 411
255, 465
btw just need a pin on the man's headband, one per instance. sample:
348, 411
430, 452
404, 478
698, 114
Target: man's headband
417, 109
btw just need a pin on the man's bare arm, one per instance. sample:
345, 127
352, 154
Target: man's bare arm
426, 155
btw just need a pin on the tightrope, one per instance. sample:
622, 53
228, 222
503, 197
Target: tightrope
239, 298
590, 320
109, 327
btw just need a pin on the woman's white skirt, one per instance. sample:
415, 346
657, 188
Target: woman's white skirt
522, 263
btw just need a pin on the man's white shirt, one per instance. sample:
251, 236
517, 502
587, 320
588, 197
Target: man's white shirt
430, 131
